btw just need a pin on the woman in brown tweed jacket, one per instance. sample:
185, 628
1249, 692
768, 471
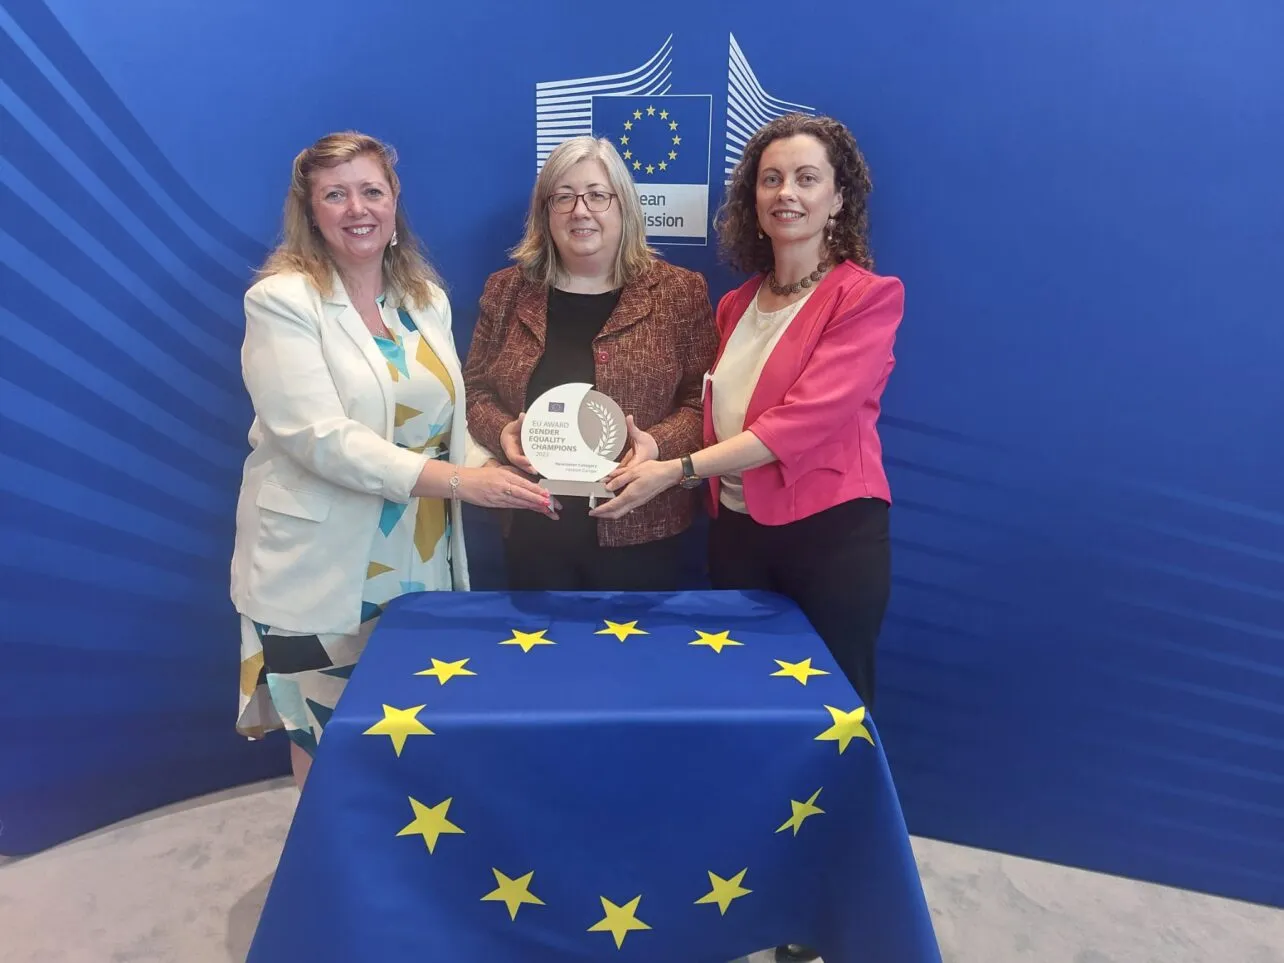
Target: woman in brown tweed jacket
588, 301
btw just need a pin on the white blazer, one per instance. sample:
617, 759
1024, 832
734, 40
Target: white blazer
323, 459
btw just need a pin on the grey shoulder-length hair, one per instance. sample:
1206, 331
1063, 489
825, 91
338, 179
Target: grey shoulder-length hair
537, 254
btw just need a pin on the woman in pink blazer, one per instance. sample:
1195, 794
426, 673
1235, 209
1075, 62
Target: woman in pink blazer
797, 489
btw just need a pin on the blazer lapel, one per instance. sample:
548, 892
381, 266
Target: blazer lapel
634, 305
531, 308
783, 364
739, 305
339, 307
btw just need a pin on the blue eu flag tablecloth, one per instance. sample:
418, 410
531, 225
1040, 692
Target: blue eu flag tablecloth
573, 776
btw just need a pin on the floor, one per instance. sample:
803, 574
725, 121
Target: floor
186, 884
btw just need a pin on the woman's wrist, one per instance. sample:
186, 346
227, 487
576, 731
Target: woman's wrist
467, 476
434, 480
440, 479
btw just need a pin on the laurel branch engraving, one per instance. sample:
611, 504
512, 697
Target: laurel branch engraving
610, 428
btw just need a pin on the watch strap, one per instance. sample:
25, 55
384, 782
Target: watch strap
689, 477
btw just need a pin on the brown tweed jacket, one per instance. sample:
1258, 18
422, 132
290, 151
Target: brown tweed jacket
651, 357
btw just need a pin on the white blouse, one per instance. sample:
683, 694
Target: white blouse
736, 376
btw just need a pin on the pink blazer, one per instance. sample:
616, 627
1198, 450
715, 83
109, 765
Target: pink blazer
817, 402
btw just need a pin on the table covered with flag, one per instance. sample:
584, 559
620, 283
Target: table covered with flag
554, 777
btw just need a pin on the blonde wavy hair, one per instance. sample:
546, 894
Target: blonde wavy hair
537, 253
303, 249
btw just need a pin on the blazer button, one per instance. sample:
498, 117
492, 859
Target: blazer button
601, 356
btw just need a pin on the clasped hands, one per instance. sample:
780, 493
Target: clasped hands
638, 479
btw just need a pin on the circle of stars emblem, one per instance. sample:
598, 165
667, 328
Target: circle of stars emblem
649, 117
430, 823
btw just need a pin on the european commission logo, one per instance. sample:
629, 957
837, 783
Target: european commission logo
665, 138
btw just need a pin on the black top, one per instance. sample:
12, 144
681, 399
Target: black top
574, 320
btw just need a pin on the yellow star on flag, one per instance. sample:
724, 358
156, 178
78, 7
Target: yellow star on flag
624, 139
619, 920
664, 115
664, 165
445, 671
398, 724
628, 125
637, 115
650, 168
725, 890
677, 139
621, 630
673, 155
513, 892
430, 822
628, 154
673, 125
801, 671
528, 640
637, 165
715, 640
847, 726
801, 811
650, 111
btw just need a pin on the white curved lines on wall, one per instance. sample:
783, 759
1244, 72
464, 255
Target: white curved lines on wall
195, 344
564, 108
108, 389
210, 242
122, 432
748, 105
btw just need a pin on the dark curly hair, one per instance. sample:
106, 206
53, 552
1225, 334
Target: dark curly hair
737, 222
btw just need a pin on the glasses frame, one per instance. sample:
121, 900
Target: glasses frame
610, 197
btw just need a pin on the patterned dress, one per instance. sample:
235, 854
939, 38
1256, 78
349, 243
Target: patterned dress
292, 680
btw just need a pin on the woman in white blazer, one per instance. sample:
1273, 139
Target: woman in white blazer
361, 452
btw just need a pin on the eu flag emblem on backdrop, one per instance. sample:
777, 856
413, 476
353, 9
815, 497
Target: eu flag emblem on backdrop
664, 140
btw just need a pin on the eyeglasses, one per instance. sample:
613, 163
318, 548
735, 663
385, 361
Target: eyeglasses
595, 201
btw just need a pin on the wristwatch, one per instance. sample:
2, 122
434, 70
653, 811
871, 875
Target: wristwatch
689, 477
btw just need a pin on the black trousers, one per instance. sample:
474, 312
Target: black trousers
543, 555
835, 566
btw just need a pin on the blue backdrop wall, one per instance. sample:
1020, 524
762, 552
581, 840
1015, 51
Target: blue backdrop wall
1083, 657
